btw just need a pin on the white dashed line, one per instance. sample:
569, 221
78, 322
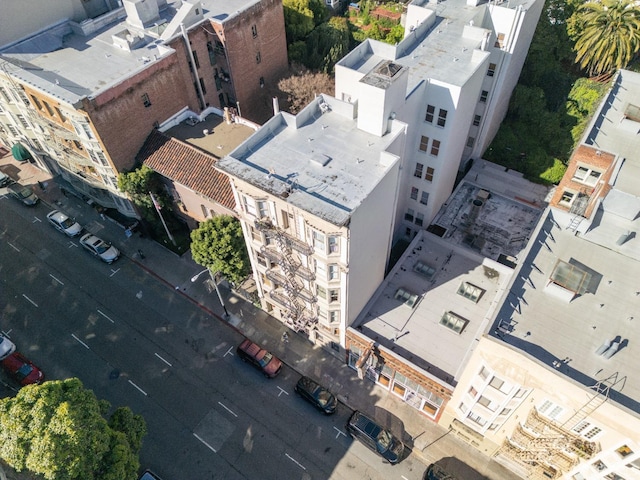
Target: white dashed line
56, 279
80, 342
295, 461
163, 360
139, 389
207, 445
31, 301
227, 409
14, 247
105, 316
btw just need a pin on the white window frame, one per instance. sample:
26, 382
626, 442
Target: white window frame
319, 241
453, 322
470, 291
333, 242
586, 175
333, 272
405, 296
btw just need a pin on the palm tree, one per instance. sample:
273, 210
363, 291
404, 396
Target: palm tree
609, 37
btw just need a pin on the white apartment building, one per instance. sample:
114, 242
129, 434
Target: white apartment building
550, 390
464, 59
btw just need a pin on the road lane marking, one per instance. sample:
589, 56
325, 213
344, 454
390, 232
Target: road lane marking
36, 219
71, 244
229, 352
105, 316
81, 342
32, 302
5, 333
56, 279
163, 360
295, 461
282, 391
227, 409
14, 247
139, 389
340, 432
403, 477
208, 446
113, 272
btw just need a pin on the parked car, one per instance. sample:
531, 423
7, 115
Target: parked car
372, 435
24, 194
4, 179
317, 395
6, 347
22, 370
257, 356
101, 249
435, 472
63, 223
149, 475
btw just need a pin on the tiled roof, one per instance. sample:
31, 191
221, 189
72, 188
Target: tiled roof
184, 164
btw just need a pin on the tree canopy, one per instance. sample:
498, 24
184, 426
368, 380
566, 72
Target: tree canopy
607, 35
301, 17
138, 183
302, 87
57, 430
218, 245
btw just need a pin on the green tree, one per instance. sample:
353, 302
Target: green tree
298, 19
608, 35
56, 430
327, 44
218, 245
138, 183
131, 425
395, 35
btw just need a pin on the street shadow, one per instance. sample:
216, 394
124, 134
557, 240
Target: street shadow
459, 470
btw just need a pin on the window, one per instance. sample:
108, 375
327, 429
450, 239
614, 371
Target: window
586, 175
430, 113
13, 130
219, 48
419, 219
204, 89
334, 244
484, 401
424, 198
102, 158
470, 142
587, 429
484, 373
483, 96
261, 82
249, 205
491, 71
61, 115
334, 316
195, 58
406, 297
624, 450
23, 120
476, 120
255, 234
263, 208
553, 411
505, 411
205, 213
321, 292
414, 193
496, 383
473, 392
424, 269
442, 117
409, 215
333, 272
477, 419
499, 40
258, 57
435, 148
254, 31
453, 322
212, 53
334, 295
36, 102
429, 175
5, 95
418, 170
318, 241
424, 143
37, 145
567, 198
285, 219
407, 232
470, 291
145, 100
48, 107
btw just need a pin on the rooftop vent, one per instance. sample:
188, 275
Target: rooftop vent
320, 159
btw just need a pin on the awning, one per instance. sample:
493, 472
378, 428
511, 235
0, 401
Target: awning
20, 153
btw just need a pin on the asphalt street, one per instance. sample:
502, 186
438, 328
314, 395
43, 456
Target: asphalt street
135, 342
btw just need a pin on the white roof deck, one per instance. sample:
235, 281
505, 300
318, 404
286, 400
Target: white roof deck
319, 162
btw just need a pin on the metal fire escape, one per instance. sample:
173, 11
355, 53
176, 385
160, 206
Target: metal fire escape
290, 291
578, 209
544, 448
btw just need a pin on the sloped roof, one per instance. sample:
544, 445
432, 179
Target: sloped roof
184, 164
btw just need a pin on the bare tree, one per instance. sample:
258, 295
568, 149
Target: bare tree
302, 86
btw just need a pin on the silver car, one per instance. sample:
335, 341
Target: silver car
101, 249
24, 194
63, 223
6, 347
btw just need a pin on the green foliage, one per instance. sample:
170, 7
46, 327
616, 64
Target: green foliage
582, 103
56, 430
138, 183
132, 426
299, 18
554, 174
218, 245
395, 35
607, 35
298, 52
327, 44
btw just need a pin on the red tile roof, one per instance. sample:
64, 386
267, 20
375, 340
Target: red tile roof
185, 164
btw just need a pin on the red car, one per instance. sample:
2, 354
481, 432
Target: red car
257, 356
22, 370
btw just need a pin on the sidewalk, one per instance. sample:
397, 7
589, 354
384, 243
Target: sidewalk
428, 441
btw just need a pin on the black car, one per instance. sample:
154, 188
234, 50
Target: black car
372, 435
435, 472
317, 395
23, 194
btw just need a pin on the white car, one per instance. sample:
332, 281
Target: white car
63, 223
4, 179
6, 347
101, 249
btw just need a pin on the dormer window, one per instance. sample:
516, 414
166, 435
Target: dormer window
586, 175
407, 297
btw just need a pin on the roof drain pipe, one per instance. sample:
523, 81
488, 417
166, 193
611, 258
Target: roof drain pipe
194, 69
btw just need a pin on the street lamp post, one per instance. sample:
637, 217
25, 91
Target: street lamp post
215, 284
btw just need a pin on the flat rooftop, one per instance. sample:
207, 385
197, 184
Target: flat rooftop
71, 66
319, 161
433, 270
493, 212
569, 298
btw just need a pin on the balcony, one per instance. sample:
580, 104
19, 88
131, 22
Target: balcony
282, 299
271, 254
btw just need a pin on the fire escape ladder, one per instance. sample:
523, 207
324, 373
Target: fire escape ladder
602, 389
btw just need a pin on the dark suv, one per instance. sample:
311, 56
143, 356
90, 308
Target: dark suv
317, 395
257, 356
375, 437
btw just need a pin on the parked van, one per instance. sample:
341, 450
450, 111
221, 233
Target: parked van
381, 441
